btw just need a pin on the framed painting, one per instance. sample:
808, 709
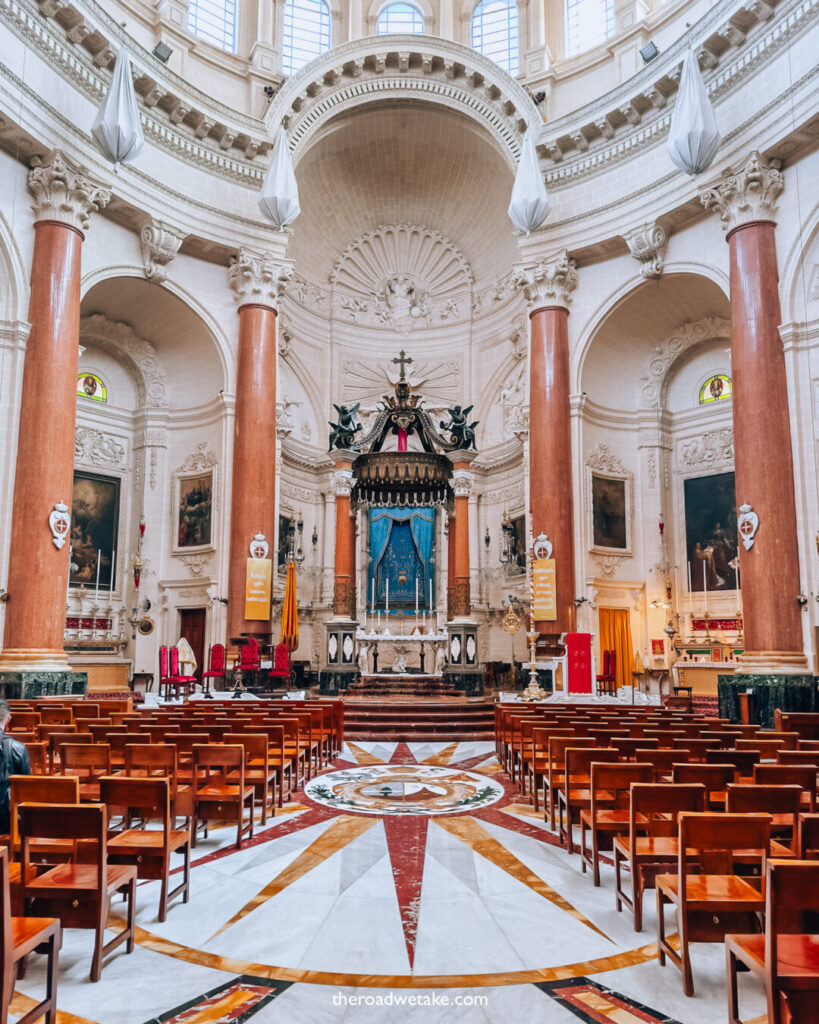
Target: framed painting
610, 501
193, 510
94, 528
711, 532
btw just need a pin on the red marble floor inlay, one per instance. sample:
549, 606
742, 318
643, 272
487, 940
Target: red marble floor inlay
407, 843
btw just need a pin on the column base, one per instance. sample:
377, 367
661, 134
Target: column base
463, 667
26, 659
333, 683
28, 685
777, 662
785, 691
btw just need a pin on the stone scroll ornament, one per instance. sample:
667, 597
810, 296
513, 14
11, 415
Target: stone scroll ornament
342, 434
259, 547
59, 522
461, 433
747, 524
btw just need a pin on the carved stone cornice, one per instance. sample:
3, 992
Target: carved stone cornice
64, 191
746, 195
647, 245
259, 278
160, 244
548, 282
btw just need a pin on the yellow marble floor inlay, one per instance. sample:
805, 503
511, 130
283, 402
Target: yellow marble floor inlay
605, 1006
443, 757
363, 756
221, 1009
21, 1004
522, 811
471, 832
339, 834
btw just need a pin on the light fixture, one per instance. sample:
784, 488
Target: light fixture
162, 52
487, 539
299, 540
507, 539
315, 536
649, 51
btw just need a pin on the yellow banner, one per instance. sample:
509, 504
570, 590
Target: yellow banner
545, 590
257, 589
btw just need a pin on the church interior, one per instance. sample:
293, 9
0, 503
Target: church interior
409, 539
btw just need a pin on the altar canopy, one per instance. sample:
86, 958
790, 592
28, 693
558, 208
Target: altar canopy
401, 553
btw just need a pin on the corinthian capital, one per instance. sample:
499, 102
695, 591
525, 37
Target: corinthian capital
64, 191
462, 482
548, 282
259, 277
746, 195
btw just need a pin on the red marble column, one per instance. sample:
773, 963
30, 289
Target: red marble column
253, 481
550, 449
344, 589
38, 569
461, 485
451, 544
769, 571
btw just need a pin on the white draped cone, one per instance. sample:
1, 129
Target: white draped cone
530, 203
116, 129
694, 138
279, 201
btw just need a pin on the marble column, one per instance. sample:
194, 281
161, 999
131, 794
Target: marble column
547, 287
344, 588
745, 200
65, 196
451, 544
258, 279
462, 488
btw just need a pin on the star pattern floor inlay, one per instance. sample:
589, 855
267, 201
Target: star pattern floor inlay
422, 882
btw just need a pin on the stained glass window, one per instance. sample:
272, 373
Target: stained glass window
306, 33
715, 389
495, 33
399, 17
90, 385
214, 21
588, 23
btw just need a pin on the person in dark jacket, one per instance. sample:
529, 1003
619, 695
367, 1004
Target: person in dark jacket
13, 761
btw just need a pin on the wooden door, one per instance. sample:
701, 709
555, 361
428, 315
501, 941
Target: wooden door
192, 627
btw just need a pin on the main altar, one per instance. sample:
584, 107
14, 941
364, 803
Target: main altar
403, 481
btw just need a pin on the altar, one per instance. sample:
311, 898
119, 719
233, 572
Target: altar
399, 654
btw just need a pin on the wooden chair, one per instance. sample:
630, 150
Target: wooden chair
38, 757
574, 795
79, 894
802, 775
282, 670
87, 762
41, 789
709, 898
259, 772
20, 936
55, 714
149, 850
608, 813
808, 833
217, 669
661, 760
555, 771
159, 760
606, 681
216, 798
23, 721
715, 777
786, 957
651, 843
781, 803
742, 760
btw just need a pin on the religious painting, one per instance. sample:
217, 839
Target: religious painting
285, 525
610, 504
94, 527
194, 510
518, 543
711, 532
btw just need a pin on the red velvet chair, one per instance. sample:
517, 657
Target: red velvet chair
281, 665
606, 682
217, 667
169, 676
249, 659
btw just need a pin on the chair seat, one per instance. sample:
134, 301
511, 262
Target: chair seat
69, 879
137, 841
29, 932
221, 792
614, 817
714, 892
797, 955
649, 848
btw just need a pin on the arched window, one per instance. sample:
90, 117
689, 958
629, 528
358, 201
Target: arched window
399, 17
214, 21
91, 385
495, 33
306, 33
716, 389
588, 23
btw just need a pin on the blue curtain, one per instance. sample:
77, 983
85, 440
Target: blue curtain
422, 525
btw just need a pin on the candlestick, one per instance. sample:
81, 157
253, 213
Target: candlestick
111, 577
372, 598
97, 588
430, 595
705, 587
416, 600
387, 602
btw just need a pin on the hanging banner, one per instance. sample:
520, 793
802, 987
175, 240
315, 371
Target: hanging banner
257, 589
545, 589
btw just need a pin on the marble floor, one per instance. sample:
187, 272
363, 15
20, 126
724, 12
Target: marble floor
409, 881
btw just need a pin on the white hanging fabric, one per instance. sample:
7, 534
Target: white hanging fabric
279, 201
116, 129
530, 203
694, 139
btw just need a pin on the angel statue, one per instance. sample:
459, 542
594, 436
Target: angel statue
461, 433
343, 433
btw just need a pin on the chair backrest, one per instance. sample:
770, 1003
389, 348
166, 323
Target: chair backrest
147, 799
803, 775
712, 844
22, 721
558, 745
281, 661
39, 789
662, 760
580, 759
765, 799
615, 781
742, 760
655, 806
715, 777
217, 658
65, 821
51, 715
92, 759
791, 902
249, 653
808, 841
164, 662
256, 745
798, 757
174, 652
150, 759
612, 670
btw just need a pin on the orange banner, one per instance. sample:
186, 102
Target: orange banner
545, 590
257, 589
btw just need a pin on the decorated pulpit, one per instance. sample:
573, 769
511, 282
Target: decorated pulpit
407, 474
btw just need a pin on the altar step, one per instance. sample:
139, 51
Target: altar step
403, 685
419, 720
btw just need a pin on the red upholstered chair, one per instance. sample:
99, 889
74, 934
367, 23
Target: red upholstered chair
249, 658
169, 676
217, 667
281, 665
606, 679
187, 683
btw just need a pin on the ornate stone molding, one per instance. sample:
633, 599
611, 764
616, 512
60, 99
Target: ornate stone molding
95, 448
196, 564
342, 483
746, 195
462, 483
603, 458
647, 245
653, 383
202, 458
607, 565
548, 282
160, 244
65, 191
259, 277
713, 448
146, 368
